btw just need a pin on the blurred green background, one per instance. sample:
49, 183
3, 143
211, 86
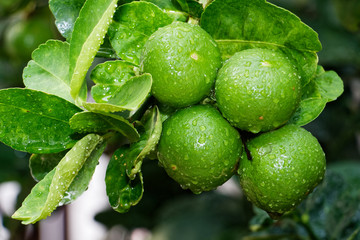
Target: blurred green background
332, 211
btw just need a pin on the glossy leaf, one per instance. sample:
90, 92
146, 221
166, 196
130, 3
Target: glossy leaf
326, 86
42, 164
35, 122
148, 141
122, 192
195, 8
132, 26
183, 4
89, 122
329, 84
129, 97
48, 69
108, 77
49, 192
308, 110
89, 32
242, 24
171, 8
65, 13
84, 176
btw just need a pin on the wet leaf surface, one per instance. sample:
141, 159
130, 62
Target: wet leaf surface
121, 190
132, 26
89, 122
35, 122
59, 185
88, 34
48, 71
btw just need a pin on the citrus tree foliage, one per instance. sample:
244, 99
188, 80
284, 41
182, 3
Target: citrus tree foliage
53, 119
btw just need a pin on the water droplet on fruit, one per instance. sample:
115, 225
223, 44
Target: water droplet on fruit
246, 74
202, 140
247, 64
194, 122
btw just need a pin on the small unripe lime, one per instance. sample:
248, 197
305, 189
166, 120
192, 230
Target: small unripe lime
258, 89
286, 165
183, 60
198, 148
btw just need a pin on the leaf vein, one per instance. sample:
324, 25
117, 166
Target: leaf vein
32, 112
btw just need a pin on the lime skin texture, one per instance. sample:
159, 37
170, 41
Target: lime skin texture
286, 165
183, 60
199, 149
258, 89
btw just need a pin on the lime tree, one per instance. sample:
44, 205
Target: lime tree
198, 148
286, 165
183, 61
258, 89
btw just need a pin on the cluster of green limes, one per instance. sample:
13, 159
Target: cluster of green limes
257, 90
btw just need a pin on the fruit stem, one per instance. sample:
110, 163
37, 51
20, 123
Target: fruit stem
193, 21
244, 137
205, 3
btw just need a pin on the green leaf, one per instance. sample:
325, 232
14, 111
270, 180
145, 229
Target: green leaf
65, 13
183, 4
326, 86
122, 192
171, 8
89, 32
87, 122
333, 209
132, 26
49, 192
42, 164
148, 141
242, 24
195, 8
129, 97
35, 122
48, 71
308, 110
108, 77
329, 84
83, 178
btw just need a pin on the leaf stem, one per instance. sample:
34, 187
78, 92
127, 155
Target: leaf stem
106, 53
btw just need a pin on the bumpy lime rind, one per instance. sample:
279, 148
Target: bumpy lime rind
199, 149
258, 90
183, 60
287, 164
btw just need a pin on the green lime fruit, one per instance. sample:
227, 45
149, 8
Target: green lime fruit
198, 148
286, 165
183, 60
258, 89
